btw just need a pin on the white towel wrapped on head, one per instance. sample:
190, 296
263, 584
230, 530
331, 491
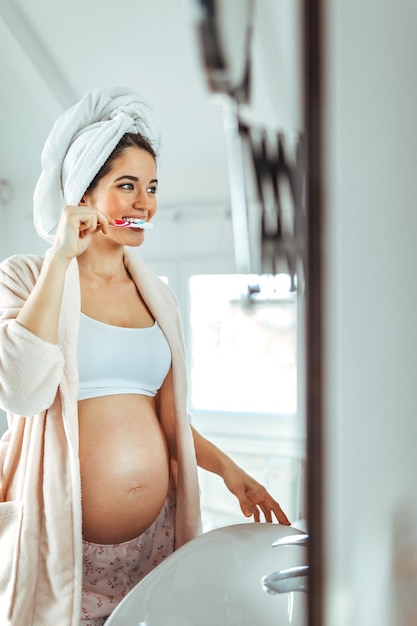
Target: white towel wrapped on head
80, 142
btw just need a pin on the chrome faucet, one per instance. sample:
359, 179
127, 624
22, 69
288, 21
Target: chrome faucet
293, 578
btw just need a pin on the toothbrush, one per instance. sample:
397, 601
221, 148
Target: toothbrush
134, 224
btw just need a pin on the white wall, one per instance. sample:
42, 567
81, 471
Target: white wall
370, 326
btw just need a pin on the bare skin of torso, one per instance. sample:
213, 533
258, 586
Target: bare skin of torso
123, 452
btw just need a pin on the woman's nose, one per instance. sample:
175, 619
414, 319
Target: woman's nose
142, 200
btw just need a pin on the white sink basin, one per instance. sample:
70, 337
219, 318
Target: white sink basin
216, 580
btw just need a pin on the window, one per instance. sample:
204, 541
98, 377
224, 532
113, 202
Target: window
243, 344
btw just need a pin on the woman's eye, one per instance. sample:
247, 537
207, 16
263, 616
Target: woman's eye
127, 186
152, 190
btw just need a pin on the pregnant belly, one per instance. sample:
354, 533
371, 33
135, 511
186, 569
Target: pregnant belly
124, 467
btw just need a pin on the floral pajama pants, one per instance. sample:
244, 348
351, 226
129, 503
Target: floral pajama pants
111, 571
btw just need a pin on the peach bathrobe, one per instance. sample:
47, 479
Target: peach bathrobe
40, 488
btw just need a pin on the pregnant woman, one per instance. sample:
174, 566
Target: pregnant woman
99, 465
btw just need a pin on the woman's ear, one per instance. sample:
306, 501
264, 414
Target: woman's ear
82, 201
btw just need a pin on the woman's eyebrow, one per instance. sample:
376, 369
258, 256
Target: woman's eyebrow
126, 176
134, 178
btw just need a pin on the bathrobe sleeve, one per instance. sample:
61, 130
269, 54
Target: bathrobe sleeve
30, 367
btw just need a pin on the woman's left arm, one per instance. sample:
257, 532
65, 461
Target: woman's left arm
253, 497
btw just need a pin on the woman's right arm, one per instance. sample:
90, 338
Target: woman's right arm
31, 360
40, 313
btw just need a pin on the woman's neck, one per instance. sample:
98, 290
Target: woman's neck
106, 265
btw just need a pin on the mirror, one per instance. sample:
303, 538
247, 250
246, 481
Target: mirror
240, 147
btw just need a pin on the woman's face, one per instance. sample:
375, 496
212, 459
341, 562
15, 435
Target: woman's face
128, 190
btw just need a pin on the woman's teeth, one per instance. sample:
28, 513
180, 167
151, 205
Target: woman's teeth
132, 222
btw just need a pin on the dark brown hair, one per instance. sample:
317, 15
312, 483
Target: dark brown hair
129, 140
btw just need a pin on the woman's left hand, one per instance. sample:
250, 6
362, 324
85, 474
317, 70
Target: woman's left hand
253, 498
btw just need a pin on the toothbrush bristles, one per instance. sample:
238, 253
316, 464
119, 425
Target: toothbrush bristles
141, 224
134, 223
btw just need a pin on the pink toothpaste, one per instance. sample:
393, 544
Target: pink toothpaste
133, 223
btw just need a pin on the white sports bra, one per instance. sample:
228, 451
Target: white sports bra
117, 360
